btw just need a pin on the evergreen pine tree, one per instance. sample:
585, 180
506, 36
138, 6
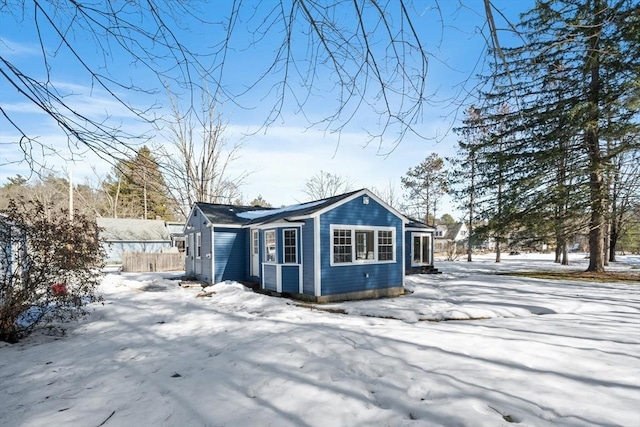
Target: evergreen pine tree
569, 88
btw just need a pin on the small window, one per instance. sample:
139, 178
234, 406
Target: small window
342, 246
255, 242
291, 246
270, 246
385, 245
198, 244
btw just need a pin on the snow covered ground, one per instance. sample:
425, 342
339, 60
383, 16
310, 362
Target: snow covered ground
539, 353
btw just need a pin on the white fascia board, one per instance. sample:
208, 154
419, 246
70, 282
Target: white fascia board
224, 225
281, 224
420, 230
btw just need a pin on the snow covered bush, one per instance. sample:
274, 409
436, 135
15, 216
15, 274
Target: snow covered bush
49, 267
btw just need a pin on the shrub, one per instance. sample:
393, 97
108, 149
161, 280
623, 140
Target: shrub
49, 267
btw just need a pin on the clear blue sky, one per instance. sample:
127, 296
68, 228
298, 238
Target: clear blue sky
281, 158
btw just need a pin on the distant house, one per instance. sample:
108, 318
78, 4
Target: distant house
137, 235
176, 232
449, 236
349, 246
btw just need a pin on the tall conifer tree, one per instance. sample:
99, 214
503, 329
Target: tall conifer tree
571, 86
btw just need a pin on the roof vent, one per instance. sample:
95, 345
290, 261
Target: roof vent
365, 200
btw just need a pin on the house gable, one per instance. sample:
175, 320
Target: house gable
368, 215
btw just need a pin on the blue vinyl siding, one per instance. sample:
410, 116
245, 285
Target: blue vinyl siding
360, 277
290, 278
247, 257
270, 277
308, 259
230, 254
205, 268
408, 250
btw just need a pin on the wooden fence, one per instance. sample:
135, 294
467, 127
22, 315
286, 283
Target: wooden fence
143, 262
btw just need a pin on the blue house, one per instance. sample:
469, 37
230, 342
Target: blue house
350, 246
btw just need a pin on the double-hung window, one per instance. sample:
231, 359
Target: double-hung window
342, 246
290, 246
385, 245
270, 246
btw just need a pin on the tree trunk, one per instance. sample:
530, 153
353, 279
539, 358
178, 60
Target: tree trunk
471, 202
613, 241
469, 247
596, 176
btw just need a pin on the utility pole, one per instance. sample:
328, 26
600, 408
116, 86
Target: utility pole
70, 195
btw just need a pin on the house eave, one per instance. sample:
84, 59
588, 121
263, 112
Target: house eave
212, 225
277, 224
422, 229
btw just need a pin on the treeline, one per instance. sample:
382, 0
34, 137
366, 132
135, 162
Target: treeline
552, 147
134, 188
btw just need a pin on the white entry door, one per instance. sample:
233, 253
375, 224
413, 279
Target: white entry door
255, 253
421, 249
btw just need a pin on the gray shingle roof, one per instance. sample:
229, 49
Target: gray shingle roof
453, 230
242, 215
129, 229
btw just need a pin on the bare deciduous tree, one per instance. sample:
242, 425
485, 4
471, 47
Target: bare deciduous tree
196, 165
367, 54
389, 194
325, 184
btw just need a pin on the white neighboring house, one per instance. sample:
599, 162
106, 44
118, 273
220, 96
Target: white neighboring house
447, 235
137, 235
13, 250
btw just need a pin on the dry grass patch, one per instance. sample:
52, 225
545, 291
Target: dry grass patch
584, 276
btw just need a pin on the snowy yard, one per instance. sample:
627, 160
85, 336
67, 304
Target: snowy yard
539, 353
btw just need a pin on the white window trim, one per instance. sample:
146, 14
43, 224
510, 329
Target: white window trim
255, 242
430, 253
275, 247
353, 229
295, 230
